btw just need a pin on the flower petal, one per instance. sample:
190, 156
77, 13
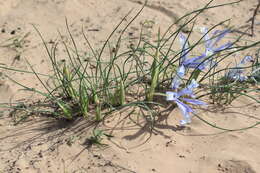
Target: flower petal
223, 47
246, 59
236, 74
196, 59
189, 89
195, 62
200, 66
207, 39
217, 36
184, 46
178, 77
171, 96
194, 101
193, 84
185, 110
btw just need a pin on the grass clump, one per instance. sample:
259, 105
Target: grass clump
146, 74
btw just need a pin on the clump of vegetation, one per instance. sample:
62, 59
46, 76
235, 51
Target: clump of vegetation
146, 74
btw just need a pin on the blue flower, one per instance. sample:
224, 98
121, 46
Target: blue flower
211, 42
236, 74
202, 61
178, 98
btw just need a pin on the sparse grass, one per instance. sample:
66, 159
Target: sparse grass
96, 138
115, 77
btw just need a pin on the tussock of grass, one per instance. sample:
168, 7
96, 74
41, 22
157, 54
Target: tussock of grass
137, 76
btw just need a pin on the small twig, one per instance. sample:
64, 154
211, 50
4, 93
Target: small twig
253, 19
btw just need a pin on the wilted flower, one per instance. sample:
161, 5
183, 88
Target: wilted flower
236, 74
179, 99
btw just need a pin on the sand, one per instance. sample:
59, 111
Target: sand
43, 145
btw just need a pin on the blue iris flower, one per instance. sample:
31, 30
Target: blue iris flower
236, 74
202, 61
179, 99
211, 42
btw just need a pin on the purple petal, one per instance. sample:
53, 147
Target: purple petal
223, 47
193, 84
217, 36
194, 101
185, 110
189, 89
206, 64
246, 59
184, 46
200, 66
236, 75
178, 77
196, 59
195, 62
185, 91
208, 40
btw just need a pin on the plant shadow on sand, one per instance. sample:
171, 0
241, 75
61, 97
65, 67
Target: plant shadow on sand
41, 135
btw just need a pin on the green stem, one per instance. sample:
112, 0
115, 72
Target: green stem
155, 72
122, 92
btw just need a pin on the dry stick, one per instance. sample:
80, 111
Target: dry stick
253, 19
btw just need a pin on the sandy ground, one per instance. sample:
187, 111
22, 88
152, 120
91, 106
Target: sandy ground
43, 145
